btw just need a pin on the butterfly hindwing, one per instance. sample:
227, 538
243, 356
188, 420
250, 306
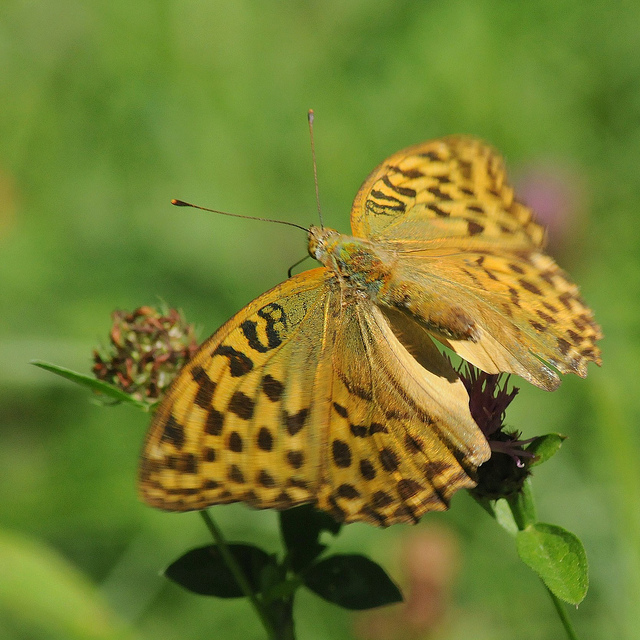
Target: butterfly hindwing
401, 438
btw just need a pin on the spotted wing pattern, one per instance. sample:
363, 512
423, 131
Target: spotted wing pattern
401, 438
307, 395
470, 265
328, 388
234, 425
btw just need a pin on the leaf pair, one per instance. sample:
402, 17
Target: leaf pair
351, 581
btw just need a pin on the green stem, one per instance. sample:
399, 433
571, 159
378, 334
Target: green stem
524, 513
562, 614
238, 574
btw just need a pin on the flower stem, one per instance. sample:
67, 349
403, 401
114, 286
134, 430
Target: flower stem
562, 614
238, 574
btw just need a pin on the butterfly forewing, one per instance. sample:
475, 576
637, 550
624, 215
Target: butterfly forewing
528, 310
235, 425
453, 187
307, 395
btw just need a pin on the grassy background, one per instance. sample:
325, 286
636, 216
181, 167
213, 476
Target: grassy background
111, 108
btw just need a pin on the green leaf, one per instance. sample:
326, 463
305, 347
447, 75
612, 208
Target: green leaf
545, 447
94, 384
558, 557
300, 528
204, 571
352, 582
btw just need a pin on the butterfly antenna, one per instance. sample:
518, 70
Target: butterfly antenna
315, 168
182, 203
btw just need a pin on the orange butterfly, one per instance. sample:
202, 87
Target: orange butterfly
329, 388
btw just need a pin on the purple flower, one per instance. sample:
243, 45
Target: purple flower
503, 474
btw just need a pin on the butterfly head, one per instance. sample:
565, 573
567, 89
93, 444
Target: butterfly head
322, 243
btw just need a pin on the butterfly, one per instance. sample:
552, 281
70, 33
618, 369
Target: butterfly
330, 388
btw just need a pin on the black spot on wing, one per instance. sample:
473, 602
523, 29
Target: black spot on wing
474, 228
295, 458
529, 286
388, 460
189, 464
275, 324
265, 439
438, 211
214, 422
272, 388
235, 443
173, 433
266, 479
340, 410
242, 405
341, 453
206, 387
239, 363
381, 499
402, 191
367, 470
235, 474
408, 488
295, 421
347, 491
438, 193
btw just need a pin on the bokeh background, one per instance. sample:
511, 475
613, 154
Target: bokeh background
110, 108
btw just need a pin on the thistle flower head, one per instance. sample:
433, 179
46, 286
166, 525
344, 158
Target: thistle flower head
503, 474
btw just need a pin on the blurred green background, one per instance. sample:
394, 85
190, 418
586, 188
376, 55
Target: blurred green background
109, 109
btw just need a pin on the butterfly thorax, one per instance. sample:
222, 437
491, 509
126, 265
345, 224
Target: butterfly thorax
354, 260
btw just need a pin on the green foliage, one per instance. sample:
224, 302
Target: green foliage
545, 447
237, 570
558, 557
301, 528
98, 386
205, 572
554, 553
44, 596
352, 581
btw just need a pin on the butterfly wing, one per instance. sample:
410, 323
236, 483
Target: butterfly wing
469, 262
453, 187
307, 395
234, 424
401, 438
